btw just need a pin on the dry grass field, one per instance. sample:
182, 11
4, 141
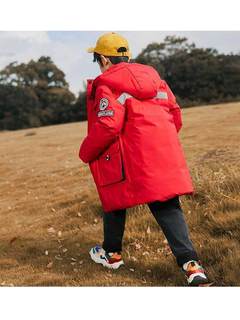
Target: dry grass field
50, 214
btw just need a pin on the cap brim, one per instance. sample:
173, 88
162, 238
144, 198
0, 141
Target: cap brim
91, 49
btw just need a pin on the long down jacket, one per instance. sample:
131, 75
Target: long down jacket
132, 145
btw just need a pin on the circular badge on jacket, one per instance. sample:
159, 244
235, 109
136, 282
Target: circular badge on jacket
103, 104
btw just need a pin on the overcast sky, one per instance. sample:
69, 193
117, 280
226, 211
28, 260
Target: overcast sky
68, 49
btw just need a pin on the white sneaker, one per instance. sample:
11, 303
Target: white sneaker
195, 273
112, 260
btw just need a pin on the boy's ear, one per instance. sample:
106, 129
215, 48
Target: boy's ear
105, 61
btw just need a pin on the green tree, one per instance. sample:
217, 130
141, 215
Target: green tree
46, 82
79, 109
18, 108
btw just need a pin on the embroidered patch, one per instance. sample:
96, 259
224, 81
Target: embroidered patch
105, 113
103, 104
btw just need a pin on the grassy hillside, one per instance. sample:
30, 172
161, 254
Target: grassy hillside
50, 214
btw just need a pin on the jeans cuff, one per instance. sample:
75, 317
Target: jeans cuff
111, 249
185, 257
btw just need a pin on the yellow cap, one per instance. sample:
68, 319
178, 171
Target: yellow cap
109, 44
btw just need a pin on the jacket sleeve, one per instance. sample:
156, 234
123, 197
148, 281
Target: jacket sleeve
110, 118
174, 109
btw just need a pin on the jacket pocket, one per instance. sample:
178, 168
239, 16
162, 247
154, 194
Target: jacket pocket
110, 165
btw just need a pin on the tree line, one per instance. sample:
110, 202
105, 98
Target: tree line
196, 75
36, 93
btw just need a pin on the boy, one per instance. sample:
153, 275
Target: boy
134, 153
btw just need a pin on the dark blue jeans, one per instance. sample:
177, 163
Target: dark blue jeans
170, 218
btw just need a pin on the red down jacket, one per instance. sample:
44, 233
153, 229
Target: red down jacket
132, 145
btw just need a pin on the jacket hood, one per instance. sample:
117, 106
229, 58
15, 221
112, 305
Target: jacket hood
139, 80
